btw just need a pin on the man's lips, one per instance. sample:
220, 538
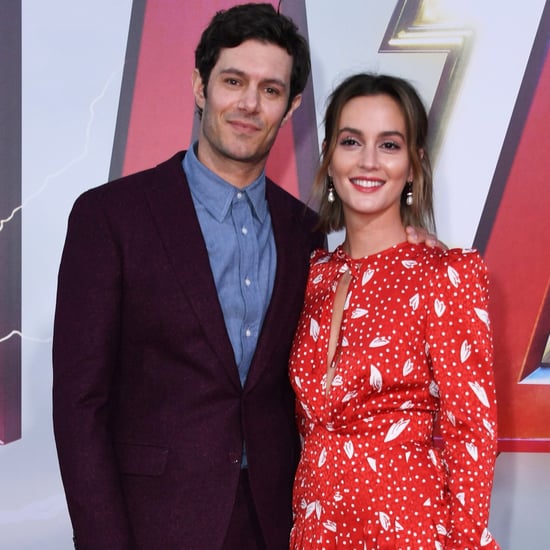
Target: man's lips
244, 125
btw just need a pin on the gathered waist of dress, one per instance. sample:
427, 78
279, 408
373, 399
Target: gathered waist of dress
393, 427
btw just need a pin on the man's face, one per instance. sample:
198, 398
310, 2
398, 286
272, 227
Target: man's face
243, 109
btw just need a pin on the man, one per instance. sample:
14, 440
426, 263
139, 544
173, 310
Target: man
179, 292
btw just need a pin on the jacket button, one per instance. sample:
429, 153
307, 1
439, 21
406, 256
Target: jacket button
234, 458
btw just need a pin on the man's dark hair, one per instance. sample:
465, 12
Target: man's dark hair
230, 28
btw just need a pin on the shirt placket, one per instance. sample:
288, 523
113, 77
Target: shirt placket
248, 258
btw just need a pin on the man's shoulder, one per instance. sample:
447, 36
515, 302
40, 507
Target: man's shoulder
167, 168
130, 186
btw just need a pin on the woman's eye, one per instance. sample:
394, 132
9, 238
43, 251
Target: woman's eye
348, 141
391, 145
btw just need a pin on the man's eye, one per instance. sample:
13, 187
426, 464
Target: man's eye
272, 91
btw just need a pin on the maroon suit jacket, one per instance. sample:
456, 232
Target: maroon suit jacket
149, 413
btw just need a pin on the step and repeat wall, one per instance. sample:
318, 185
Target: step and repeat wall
90, 91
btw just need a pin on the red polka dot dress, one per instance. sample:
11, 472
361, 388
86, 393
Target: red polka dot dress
414, 350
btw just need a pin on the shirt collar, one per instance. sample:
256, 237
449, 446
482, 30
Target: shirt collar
216, 194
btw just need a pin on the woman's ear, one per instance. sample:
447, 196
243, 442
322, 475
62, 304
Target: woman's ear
323, 153
421, 156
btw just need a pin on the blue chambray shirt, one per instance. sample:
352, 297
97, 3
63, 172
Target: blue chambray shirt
237, 230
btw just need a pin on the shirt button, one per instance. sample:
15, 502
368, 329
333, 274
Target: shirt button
239, 195
247, 282
248, 333
244, 230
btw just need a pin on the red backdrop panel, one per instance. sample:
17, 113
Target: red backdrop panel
518, 258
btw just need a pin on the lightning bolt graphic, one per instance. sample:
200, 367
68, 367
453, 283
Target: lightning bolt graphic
24, 337
428, 26
10, 372
71, 163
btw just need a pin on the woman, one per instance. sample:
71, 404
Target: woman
394, 338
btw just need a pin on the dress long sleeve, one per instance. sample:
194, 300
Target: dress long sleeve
459, 337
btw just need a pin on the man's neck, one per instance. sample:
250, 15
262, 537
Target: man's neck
236, 172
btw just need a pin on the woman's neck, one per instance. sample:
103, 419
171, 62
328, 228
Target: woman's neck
368, 239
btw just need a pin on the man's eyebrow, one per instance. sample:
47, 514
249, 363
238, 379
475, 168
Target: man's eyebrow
269, 80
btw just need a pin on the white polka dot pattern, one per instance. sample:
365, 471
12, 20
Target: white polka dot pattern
415, 350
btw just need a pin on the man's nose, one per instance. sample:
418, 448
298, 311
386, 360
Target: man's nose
250, 99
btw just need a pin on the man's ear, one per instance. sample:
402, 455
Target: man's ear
198, 88
293, 106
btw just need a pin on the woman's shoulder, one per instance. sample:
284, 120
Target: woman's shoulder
320, 256
455, 265
323, 265
450, 257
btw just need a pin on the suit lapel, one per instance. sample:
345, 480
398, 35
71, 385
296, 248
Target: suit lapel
178, 226
292, 268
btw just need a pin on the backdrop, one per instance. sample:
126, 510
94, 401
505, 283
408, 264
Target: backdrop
91, 90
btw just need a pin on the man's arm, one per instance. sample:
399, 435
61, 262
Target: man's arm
85, 350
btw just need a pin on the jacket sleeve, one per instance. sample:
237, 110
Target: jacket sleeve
460, 346
85, 348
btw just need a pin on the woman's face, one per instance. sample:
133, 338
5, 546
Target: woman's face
370, 164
